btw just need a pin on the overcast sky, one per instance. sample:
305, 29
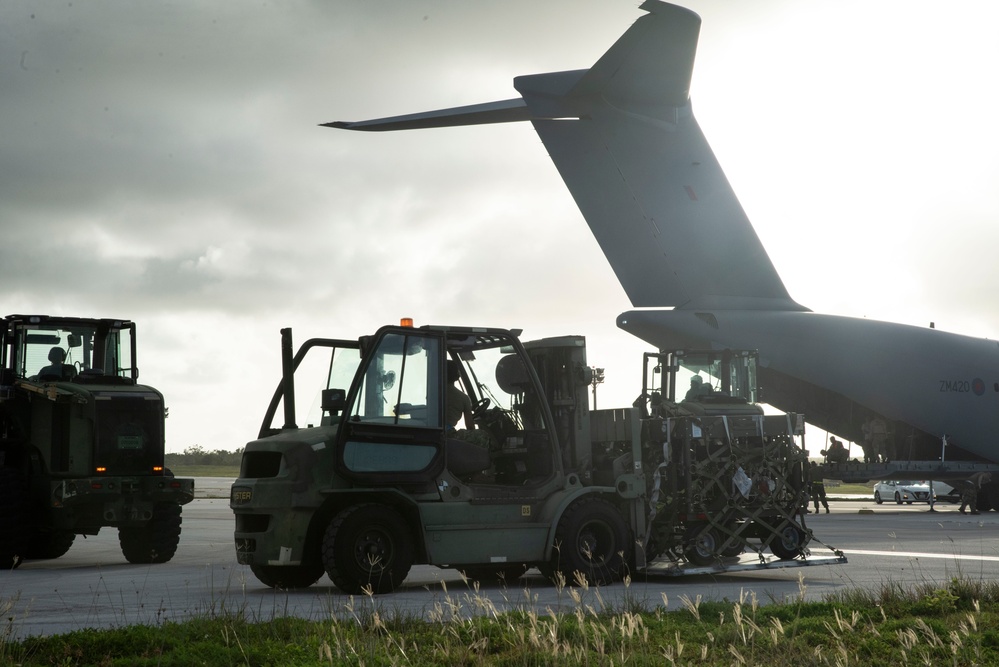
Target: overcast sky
162, 162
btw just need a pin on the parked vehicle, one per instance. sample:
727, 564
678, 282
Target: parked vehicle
901, 492
945, 493
81, 442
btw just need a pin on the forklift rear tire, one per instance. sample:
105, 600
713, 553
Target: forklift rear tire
367, 545
592, 539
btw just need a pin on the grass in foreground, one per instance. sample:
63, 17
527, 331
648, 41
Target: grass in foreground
957, 624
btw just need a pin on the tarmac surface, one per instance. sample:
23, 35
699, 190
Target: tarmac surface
93, 586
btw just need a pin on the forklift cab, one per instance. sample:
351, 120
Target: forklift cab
705, 382
394, 427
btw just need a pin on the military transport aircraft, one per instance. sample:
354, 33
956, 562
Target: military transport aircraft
624, 138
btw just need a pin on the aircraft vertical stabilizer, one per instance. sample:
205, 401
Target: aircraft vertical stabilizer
625, 141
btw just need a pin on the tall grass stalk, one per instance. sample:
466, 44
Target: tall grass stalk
944, 623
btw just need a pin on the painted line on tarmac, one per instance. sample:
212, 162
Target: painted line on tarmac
914, 554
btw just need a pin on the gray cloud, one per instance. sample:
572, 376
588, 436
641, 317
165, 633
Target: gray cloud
163, 162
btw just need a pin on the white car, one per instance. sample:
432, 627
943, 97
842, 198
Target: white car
946, 493
901, 492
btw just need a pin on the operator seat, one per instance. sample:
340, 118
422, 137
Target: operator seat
466, 458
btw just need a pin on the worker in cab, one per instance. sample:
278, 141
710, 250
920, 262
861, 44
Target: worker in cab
56, 370
458, 405
698, 388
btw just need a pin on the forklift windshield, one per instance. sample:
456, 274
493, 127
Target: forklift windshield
704, 376
708, 376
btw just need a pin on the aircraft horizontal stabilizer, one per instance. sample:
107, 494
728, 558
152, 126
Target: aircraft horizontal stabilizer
507, 111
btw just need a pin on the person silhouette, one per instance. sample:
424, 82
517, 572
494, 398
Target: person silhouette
56, 369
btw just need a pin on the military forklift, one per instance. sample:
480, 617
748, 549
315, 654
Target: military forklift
385, 474
81, 442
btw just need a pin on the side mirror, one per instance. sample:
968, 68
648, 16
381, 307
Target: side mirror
333, 401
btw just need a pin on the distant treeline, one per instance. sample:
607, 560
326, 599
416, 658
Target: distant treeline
199, 456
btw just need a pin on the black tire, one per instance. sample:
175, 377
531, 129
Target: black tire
592, 539
898, 498
49, 544
367, 545
738, 545
733, 550
157, 541
12, 518
788, 543
702, 546
877, 497
493, 574
289, 576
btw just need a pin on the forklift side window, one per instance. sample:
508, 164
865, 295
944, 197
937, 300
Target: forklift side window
118, 356
323, 368
401, 384
400, 389
499, 375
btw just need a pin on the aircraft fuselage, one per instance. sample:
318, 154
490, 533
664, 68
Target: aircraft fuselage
937, 382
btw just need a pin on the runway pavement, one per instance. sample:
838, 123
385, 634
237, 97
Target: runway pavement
93, 585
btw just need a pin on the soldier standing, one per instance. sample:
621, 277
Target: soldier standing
818, 489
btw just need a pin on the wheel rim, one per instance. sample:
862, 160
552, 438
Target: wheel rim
374, 550
790, 538
596, 543
705, 544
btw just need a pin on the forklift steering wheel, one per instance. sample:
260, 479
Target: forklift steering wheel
479, 410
